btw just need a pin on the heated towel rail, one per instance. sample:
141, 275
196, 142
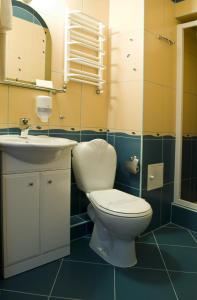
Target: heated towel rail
84, 51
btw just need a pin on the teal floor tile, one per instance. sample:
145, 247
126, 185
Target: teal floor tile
80, 250
75, 220
147, 238
142, 285
36, 281
85, 281
172, 225
5, 295
185, 285
174, 236
195, 235
180, 258
148, 256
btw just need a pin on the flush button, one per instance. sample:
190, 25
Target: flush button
155, 176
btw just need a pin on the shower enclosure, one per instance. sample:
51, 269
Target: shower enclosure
186, 116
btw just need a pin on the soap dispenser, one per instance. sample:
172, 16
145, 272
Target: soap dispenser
44, 107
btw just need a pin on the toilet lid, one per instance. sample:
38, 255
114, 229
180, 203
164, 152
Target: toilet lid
120, 203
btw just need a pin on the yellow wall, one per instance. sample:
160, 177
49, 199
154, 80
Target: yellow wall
80, 106
126, 25
159, 68
190, 82
186, 10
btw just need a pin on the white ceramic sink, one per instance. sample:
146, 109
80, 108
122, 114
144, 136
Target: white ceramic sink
34, 142
34, 148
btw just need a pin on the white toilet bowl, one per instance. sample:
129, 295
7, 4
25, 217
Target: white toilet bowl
118, 217
116, 225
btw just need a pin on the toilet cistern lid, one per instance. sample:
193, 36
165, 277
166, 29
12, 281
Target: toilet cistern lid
118, 202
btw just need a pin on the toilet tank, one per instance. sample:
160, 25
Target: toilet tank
94, 165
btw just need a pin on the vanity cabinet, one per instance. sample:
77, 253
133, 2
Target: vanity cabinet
36, 214
21, 217
54, 189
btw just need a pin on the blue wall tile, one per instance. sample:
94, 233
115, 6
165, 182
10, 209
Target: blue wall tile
194, 158
186, 158
75, 199
184, 217
87, 135
152, 154
127, 189
154, 198
127, 146
168, 159
158, 150
111, 139
167, 197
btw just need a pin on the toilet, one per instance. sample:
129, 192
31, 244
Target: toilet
118, 217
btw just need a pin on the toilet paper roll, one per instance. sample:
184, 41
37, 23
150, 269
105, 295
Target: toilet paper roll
133, 165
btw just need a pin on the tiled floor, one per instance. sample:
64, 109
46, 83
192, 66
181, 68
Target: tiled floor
166, 270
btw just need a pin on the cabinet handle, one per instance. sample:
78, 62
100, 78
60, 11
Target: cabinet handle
31, 184
50, 181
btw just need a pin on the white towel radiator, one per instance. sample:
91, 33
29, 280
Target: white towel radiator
84, 51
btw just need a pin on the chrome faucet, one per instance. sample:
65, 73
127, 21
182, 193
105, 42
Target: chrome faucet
24, 126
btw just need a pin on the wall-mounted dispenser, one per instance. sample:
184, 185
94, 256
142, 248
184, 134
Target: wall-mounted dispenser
44, 107
133, 165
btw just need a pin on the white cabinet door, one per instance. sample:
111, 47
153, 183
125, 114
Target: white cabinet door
54, 209
20, 217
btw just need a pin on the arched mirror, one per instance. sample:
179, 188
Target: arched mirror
28, 46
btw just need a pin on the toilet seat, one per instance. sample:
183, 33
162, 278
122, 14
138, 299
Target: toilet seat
117, 203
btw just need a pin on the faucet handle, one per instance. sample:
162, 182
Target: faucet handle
24, 122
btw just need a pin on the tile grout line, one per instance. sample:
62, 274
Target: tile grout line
193, 237
24, 293
174, 245
56, 297
183, 228
184, 272
55, 279
165, 267
114, 283
158, 228
86, 262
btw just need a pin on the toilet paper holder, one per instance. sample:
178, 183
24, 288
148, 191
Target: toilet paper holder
133, 165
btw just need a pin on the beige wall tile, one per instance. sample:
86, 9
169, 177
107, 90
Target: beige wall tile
159, 61
125, 106
185, 8
75, 4
153, 108
67, 105
125, 61
97, 9
128, 13
57, 79
190, 73
189, 113
22, 105
4, 105
169, 111
169, 16
94, 108
154, 16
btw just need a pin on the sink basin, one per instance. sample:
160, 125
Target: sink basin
34, 142
34, 149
